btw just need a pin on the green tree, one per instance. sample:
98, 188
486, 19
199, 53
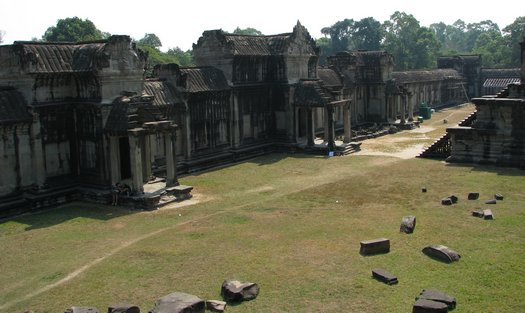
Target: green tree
151, 40
493, 50
73, 29
247, 31
183, 58
513, 35
367, 34
411, 45
340, 35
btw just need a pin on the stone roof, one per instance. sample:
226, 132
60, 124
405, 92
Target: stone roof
500, 82
257, 45
329, 77
163, 92
310, 93
202, 79
13, 107
425, 76
500, 72
56, 57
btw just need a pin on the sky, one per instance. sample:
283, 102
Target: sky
181, 23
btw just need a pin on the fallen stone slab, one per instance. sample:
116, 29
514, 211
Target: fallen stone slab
424, 189
179, 302
473, 196
82, 309
236, 291
453, 198
384, 276
441, 253
446, 201
429, 306
491, 201
477, 213
215, 305
487, 214
498, 196
123, 308
375, 246
436, 295
408, 224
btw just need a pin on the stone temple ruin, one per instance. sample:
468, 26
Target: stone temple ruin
76, 118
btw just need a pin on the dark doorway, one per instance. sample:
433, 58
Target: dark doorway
303, 122
125, 161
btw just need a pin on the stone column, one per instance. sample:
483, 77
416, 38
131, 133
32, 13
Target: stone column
171, 158
135, 150
403, 105
331, 128
310, 128
146, 158
410, 108
236, 131
187, 135
39, 165
114, 159
347, 122
326, 124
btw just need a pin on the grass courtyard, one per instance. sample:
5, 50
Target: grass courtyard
290, 223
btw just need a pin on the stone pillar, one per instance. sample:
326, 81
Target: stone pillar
171, 158
331, 128
114, 159
146, 158
326, 124
39, 165
403, 105
347, 122
410, 108
310, 128
135, 150
236, 131
187, 135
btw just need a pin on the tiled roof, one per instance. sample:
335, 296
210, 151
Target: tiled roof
329, 77
500, 82
257, 45
12, 107
201, 79
57, 57
425, 76
164, 93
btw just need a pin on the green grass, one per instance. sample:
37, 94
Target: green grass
290, 223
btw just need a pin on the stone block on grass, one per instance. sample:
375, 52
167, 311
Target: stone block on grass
473, 195
408, 224
429, 306
123, 308
384, 276
179, 302
237, 291
436, 295
441, 253
375, 246
487, 214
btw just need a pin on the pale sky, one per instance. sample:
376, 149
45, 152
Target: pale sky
181, 23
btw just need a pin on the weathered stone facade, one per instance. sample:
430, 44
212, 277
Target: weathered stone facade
498, 134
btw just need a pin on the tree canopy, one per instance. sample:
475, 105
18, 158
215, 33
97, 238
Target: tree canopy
151, 40
73, 29
247, 31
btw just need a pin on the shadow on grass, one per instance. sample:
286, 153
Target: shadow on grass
499, 170
68, 212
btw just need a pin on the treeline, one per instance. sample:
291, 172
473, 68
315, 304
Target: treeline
412, 45
417, 47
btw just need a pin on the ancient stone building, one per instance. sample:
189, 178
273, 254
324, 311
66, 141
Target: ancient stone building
497, 135
76, 119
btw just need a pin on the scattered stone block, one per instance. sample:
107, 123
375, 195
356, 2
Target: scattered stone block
477, 213
384, 276
429, 306
179, 302
487, 214
236, 291
453, 198
473, 195
442, 253
424, 189
215, 305
375, 246
491, 201
408, 224
81, 309
435, 295
123, 308
446, 201
498, 196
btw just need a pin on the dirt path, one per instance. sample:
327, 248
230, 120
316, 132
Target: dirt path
376, 146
